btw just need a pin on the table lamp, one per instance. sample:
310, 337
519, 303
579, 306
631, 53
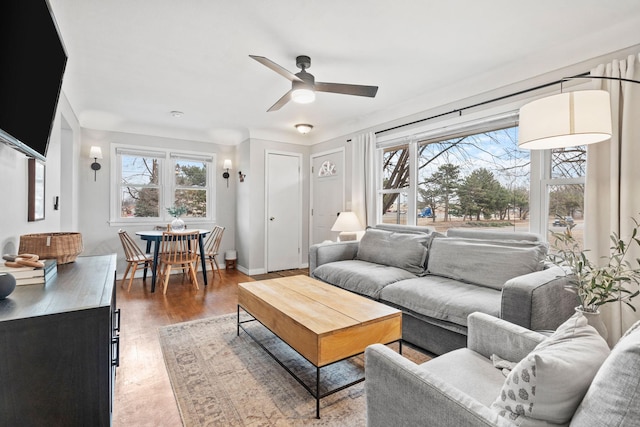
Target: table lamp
348, 225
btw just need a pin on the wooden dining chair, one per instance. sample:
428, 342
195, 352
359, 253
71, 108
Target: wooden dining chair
180, 250
211, 247
135, 257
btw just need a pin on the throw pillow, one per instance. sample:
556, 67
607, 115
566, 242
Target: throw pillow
612, 399
485, 262
548, 385
403, 250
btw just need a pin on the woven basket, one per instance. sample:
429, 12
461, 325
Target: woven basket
63, 247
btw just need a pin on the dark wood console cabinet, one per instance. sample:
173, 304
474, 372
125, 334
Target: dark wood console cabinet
59, 348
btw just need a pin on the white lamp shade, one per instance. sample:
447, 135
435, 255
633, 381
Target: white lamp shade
95, 152
226, 164
565, 120
347, 221
303, 96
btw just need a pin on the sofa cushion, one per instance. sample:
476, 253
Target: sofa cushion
402, 250
442, 298
361, 277
612, 398
472, 233
548, 384
467, 370
401, 228
485, 262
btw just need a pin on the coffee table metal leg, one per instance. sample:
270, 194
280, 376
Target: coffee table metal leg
317, 392
307, 387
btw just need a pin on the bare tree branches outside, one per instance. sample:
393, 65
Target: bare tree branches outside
141, 187
482, 176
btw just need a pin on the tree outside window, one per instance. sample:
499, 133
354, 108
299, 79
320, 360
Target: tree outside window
152, 181
140, 186
479, 179
191, 187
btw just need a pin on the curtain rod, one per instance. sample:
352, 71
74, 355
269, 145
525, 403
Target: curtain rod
489, 101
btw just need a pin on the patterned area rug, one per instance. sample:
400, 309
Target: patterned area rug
220, 379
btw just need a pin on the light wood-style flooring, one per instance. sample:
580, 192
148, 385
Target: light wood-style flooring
143, 394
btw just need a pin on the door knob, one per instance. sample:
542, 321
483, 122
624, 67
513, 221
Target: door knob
272, 218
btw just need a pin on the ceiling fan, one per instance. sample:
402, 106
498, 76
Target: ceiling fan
304, 86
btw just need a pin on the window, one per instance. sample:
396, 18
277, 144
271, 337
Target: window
565, 191
190, 185
139, 184
395, 182
476, 177
148, 182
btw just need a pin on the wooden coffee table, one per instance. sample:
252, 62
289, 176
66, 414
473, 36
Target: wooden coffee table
323, 323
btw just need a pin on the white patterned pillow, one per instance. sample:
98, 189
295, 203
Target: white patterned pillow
548, 385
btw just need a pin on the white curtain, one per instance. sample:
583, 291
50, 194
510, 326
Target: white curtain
363, 177
613, 180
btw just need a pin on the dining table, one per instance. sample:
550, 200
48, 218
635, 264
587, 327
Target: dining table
155, 237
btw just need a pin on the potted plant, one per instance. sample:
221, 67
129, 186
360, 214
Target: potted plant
177, 211
596, 284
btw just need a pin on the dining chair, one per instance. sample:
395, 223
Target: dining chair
135, 257
211, 247
178, 249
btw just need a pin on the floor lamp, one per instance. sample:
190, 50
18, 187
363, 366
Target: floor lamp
567, 119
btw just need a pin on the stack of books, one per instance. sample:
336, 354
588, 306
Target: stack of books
32, 275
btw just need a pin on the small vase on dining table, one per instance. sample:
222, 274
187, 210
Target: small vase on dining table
177, 224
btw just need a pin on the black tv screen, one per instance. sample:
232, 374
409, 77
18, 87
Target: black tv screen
32, 64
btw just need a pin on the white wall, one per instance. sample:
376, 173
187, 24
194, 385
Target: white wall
252, 204
13, 191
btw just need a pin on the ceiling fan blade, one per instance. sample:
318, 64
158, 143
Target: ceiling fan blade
281, 102
277, 68
357, 90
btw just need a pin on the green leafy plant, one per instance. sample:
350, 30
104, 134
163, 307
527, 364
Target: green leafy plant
177, 210
597, 284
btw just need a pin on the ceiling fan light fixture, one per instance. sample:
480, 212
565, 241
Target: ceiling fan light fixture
304, 128
303, 95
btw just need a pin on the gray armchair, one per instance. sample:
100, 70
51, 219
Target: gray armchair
458, 388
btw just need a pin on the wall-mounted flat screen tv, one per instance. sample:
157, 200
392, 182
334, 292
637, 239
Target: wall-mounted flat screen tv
33, 60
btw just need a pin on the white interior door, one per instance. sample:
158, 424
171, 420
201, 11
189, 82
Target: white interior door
283, 211
327, 181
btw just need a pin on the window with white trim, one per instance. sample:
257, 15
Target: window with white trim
564, 183
150, 181
472, 175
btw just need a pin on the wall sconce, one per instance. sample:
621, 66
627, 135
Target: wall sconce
241, 176
95, 153
225, 174
304, 128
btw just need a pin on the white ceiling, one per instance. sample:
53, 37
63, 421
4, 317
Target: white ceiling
131, 62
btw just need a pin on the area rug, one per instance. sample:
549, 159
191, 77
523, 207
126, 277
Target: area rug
221, 379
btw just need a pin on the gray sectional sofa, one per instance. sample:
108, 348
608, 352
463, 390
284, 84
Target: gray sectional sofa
438, 280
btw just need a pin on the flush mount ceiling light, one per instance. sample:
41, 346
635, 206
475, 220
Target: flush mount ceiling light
176, 114
304, 128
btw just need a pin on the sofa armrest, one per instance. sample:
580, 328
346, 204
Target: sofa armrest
489, 335
398, 392
323, 253
538, 301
